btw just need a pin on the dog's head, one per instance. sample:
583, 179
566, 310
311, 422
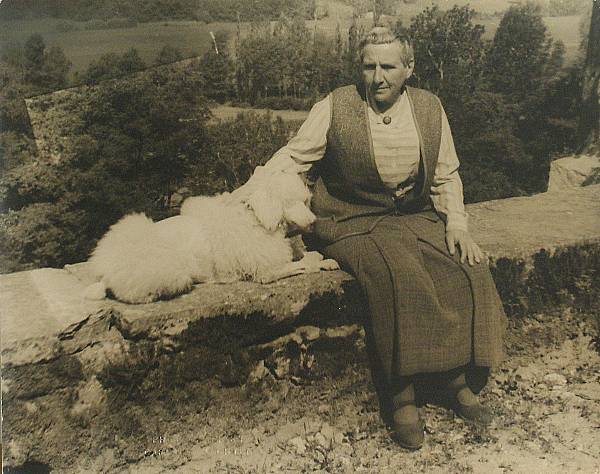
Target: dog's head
280, 199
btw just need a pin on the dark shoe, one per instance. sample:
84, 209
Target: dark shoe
408, 435
475, 413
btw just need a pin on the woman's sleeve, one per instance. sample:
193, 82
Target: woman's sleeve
308, 145
447, 188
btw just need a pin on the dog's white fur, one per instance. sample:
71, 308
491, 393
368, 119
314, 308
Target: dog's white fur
214, 239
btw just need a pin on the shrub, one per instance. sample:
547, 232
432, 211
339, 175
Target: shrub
43, 235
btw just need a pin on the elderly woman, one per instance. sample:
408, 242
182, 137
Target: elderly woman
384, 155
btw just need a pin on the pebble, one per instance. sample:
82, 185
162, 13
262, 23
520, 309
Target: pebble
525, 373
322, 441
259, 372
309, 333
555, 379
282, 367
299, 444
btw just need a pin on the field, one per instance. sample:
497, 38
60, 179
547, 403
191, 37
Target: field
85, 46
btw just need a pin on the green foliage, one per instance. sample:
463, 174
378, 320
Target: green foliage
217, 70
44, 69
111, 65
43, 235
568, 275
516, 59
449, 50
225, 163
292, 61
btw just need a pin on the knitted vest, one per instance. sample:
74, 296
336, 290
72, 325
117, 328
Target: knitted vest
349, 185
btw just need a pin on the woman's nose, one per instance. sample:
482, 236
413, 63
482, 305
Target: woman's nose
378, 77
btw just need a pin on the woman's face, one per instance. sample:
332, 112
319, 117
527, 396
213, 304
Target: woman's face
384, 73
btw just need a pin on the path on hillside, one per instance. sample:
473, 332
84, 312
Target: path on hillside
546, 398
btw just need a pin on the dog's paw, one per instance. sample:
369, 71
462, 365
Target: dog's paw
95, 291
329, 264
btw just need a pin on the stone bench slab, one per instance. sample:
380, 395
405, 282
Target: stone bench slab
40, 304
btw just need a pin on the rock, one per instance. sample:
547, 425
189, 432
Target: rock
327, 431
282, 367
309, 333
258, 373
323, 408
342, 331
17, 453
299, 444
555, 379
90, 399
588, 391
311, 426
331, 435
573, 172
526, 374
322, 441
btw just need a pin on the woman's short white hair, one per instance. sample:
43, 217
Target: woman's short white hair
383, 35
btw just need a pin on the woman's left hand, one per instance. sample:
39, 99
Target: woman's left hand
469, 250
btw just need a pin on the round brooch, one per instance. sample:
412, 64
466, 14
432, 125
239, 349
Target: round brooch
387, 119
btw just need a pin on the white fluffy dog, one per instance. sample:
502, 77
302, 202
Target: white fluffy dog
222, 238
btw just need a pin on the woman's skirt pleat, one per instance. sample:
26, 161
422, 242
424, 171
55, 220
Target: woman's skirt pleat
428, 312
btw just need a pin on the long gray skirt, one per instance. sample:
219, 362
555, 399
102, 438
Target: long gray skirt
429, 312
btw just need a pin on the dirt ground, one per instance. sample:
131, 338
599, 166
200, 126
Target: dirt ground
545, 397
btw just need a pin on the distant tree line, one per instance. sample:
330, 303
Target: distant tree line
156, 10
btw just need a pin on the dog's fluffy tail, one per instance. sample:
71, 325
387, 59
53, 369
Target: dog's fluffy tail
137, 264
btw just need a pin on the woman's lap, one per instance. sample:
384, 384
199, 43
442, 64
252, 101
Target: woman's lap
420, 298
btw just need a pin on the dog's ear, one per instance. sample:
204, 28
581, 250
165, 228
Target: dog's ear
299, 214
267, 210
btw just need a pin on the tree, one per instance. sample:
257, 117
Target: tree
589, 119
217, 70
43, 69
33, 61
55, 69
518, 54
449, 50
